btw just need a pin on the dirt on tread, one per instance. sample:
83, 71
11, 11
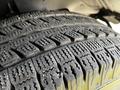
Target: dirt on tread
57, 51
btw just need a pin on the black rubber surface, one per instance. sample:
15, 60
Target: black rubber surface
57, 51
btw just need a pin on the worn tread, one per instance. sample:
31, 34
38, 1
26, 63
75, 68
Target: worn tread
57, 51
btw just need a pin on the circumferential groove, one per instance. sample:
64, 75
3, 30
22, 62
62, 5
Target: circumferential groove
50, 28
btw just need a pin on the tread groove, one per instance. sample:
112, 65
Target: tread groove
84, 73
65, 82
12, 87
40, 48
2, 34
97, 61
38, 78
18, 53
56, 51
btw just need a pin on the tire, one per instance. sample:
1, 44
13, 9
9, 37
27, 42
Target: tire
57, 51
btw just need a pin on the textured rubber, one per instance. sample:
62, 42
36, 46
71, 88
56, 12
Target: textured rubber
57, 51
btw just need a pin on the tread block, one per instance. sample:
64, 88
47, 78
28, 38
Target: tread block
9, 21
51, 20
44, 62
8, 57
74, 36
90, 69
115, 55
81, 52
37, 27
80, 19
106, 43
31, 84
92, 45
25, 16
14, 44
105, 63
88, 64
22, 72
87, 33
27, 49
7, 30
63, 55
43, 33
104, 57
2, 39
108, 31
97, 32
78, 49
46, 32
22, 25
32, 37
71, 69
36, 21
23, 75
60, 39
53, 31
35, 14
63, 19
73, 75
115, 41
69, 64
4, 81
4, 47
50, 76
45, 43
14, 34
